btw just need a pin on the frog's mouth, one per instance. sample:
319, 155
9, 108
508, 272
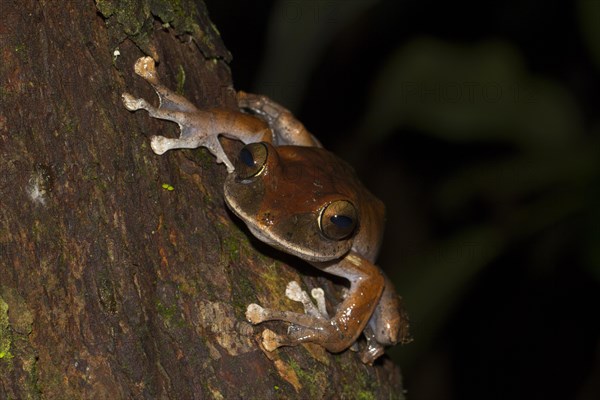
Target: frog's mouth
314, 250
278, 242
286, 246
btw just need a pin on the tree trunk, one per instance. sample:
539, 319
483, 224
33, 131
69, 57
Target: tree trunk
122, 274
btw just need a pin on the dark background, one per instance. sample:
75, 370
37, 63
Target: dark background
478, 126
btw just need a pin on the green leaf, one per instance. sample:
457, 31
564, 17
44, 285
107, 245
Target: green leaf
589, 17
464, 93
299, 32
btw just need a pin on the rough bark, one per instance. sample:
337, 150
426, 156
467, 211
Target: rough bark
122, 274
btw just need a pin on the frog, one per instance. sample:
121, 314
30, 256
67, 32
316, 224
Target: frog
303, 200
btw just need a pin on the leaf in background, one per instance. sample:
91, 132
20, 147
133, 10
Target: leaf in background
508, 180
589, 17
591, 245
465, 93
481, 94
439, 278
299, 32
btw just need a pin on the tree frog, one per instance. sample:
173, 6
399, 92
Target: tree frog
303, 200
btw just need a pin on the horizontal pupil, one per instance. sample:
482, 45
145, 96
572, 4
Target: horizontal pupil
246, 157
341, 221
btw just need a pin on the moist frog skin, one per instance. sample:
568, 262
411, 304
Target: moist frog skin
303, 200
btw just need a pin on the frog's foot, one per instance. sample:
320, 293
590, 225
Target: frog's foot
255, 314
271, 340
340, 331
197, 128
309, 327
133, 104
191, 136
372, 349
169, 100
145, 67
294, 292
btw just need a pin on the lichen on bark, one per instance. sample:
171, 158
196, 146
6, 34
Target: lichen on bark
5, 335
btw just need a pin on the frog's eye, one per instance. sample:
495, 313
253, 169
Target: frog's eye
338, 220
251, 160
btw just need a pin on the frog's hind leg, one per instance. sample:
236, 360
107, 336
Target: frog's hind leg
314, 316
288, 130
339, 332
271, 340
303, 328
372, 349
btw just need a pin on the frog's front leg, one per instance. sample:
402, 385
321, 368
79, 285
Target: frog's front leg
199, 128
191, 136
287, 129
339, 332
